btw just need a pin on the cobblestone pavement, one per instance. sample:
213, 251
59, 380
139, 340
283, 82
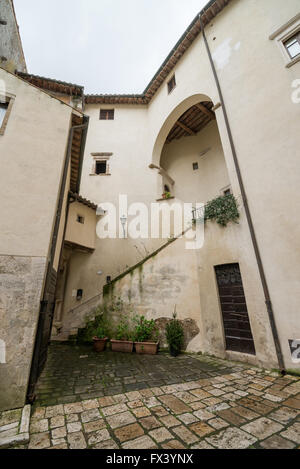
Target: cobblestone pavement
233, 407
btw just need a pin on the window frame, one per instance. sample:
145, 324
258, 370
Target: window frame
107, 111
296, 37
283, 34
9, 99
101, 157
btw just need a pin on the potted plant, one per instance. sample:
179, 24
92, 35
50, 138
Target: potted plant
175, 336
146, 336
123, 342
166, 195
100, 339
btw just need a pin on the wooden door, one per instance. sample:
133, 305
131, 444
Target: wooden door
238, 334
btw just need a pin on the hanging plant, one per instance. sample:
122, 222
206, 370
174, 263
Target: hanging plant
223, 210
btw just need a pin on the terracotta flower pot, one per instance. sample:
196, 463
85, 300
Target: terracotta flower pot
146, 348
124, 346
100, 344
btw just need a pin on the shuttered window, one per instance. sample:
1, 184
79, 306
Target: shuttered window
107, 114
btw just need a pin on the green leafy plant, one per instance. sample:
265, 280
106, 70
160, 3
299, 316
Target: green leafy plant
99, 327
175, 336
145, 330
223, 210
123, 330
166, 195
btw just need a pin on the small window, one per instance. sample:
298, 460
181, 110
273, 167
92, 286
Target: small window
107, 114
101, 167
108, 279
171, 84
293, 45
80, 219
79, 295
227, 192
166, 188
3, 110
195, 166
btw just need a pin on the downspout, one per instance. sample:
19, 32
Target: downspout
247, 211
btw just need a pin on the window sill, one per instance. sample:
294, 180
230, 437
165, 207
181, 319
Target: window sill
165, 200
93, 174
293, 61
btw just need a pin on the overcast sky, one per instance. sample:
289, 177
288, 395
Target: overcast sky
109, 46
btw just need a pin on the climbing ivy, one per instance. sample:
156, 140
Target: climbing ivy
223, 210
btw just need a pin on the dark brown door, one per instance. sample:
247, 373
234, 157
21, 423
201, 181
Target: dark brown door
237, 327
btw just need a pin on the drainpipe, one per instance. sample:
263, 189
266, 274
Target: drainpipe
247, 211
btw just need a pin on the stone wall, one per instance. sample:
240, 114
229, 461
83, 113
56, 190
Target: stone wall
21, 283
11, 51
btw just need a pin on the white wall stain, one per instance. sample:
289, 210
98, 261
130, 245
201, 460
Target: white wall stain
223, 53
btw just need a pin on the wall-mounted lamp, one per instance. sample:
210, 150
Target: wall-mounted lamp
123, 220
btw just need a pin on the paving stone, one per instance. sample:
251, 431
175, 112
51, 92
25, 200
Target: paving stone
231, 417
246, 413
197, 405
203, 415
74, 427
159, 411
272, 398
292, 433
90, 415
218, 423
218, 407
232, 438
106, 401
58, 441
77, 441
72, 418
185, 435
173, 444
187, 419
151, 402
169, 421
262, 428
143, 442
90, 404
58, 421
201, 429
94, 426
98, 436
10, 416
202, 445
276, 442
257, 407
10, 426
200, 394
107, 444
133, 396
186, 397
39, 426
173, 403
294, 403
212, 401
58, 433
157, 391
74, 408
120, 399
160, 435
146, 393
129, 433
54, 411
284, 415
121, 420
39, 441
38, 413
141, 412
116, 409
150, 422
62, 446
135, 404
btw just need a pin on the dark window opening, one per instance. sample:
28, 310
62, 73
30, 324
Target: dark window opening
3, 109
171, 84
293, 45
227, 192
108, 279
195, 166
166, 188
79, 295
101, 167
107, 114
80, 219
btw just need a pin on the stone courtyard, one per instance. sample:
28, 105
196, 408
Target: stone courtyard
119, 401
